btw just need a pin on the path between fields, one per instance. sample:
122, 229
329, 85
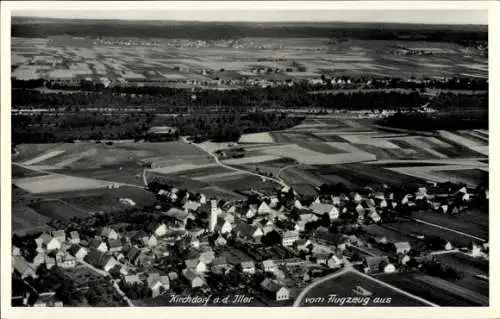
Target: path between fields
278, 181
449, 229
347, 269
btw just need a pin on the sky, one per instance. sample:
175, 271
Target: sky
398, 16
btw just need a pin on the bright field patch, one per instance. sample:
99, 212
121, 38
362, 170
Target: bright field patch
43, 157
58, 183
256, 138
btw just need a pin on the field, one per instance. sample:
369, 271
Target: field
58, 210
173, 62
342, 287
439, 291
413, 227
26, 220
470, 221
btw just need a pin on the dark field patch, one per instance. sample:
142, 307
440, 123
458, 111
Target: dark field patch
20, 172
342, 286
57, 209
26, 220
475, 176
478, 228
431, 288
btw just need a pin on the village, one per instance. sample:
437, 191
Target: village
264, 250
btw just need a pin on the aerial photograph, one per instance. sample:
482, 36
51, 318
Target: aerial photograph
249, 159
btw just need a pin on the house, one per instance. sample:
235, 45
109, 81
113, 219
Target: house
109, 233
359, 209
177, 214
94, 257
53, 244
220, 241
382, 204
22, 267
297, 204
191, 206
223, 226
150, 241
321, 258
336, 200
289, 237
66, 261
219, 264
78, 252
275, 290
263, 209
448, 246
268, 265
319, 208
124, 270
334, 262
114, 245
248, 232
374, 216
207, 257
42, 241
50, 262
38, 259
108, 262
303, 244
157, 283
74, 237
160, 230
404, 259
300, 225
251, 212
402, 247
98, 245
132, 279
356, 197
60, 235
196, 265
378, 264
248, 267
193, 279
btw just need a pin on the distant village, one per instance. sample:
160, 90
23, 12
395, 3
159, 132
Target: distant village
268, 247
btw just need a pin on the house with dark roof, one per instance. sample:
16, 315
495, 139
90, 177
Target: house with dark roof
98, 245
94, 257
109, 233
193, 279
275, 290
60, 235
378, 264
114, 245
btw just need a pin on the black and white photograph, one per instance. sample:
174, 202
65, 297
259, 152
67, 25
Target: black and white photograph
247, 158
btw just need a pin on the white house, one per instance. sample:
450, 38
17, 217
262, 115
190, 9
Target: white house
196, 265
53, 244
109, 233
278, 292
248, 267
268, 265
193, 279
263, 209
160, 230
402, 247
289, 237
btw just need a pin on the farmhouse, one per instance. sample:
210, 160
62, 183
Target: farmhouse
115, 245
50, 262
219, 264
109, 233
223, 226
38, 259
378, 264
132, 279
263, 208
53, 244
289, 237
99, 245
65, 261
248, 267
268, 265
157, 283
196, 265
78, 251
60, 235
402, 247
193, 279
275, 290
321, 209
74, 237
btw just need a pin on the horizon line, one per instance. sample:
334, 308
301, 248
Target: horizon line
249, 21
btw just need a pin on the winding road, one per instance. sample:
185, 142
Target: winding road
218, 162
